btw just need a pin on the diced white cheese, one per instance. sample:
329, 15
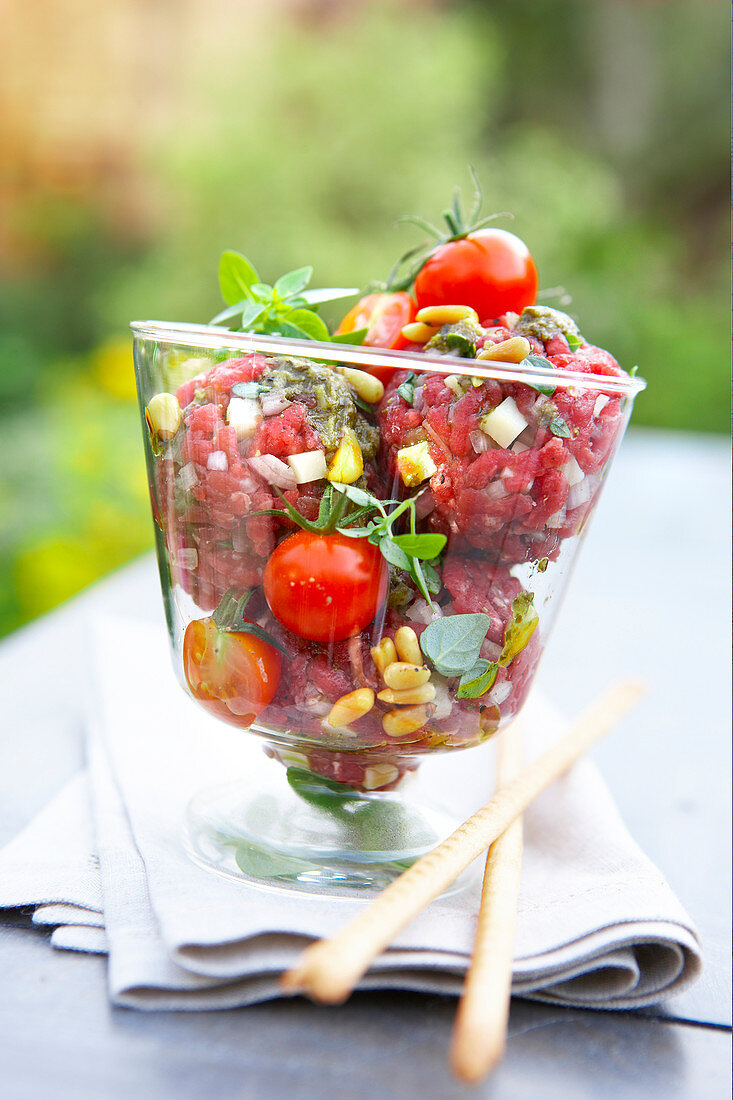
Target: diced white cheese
572, 471
217, 460
504, 423
244, 414
309, 466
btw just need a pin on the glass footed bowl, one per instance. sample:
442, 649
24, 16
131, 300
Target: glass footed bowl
360, 568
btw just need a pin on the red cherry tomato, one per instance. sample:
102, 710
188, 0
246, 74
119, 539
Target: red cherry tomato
325, 587
233, 674
489, 269
384, 316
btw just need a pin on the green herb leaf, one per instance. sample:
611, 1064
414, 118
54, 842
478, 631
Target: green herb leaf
261, 291
432, 577
634, 371
309, 323
236, 277
559, 428
293, 282
393, 554
230, 610
319, 791
259, 863
573, 341
250, 313
230, 312
537, 361
520, 628
478, 680
453, 643
256, 629
407, 389
357, 495
461, 344
426, 547
247, 389
357, 337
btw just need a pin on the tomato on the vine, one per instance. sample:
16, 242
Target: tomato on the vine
325, 587
234, 674
383, 315
488, 269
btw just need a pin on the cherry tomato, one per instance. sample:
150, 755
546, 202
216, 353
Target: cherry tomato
325, 587
233, 674
384, 316
489, 269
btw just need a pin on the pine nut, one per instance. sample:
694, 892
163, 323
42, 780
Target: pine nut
425, 693
379, 775
350, 707
366, 385
384, 654
397, 723
408, 647
164, 415
418, 333
513, 350
400, 675
445, 315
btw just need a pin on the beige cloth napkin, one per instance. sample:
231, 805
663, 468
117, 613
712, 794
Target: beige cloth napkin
597, 923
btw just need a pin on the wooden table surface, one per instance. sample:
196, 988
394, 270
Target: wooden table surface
649, 595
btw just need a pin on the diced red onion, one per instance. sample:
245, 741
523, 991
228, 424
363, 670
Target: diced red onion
240, 542
490, 650
496, 490
217, 460
539, 405
442, 704
479, 441
187, 558
273, 470
601, 402
274, 403
420, 612
579, 494
500, 692
187, 476
557, 519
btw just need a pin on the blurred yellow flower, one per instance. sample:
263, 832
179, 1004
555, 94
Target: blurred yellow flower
113, 368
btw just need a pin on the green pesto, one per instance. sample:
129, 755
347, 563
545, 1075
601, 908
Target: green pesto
544, 323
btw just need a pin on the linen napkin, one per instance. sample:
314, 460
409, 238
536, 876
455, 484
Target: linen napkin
597, 924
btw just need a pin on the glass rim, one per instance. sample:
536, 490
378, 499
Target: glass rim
359, 355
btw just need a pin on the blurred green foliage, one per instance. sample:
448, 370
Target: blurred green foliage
601, 127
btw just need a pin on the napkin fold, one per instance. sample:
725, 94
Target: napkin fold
597, 924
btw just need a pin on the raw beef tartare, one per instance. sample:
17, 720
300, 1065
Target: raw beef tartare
359, 560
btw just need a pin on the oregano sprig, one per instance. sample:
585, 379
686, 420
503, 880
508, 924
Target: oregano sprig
285, 309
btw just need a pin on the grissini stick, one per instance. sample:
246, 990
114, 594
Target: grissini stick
479, 1035
328, 970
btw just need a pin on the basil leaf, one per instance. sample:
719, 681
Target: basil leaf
432, 578
256, 629
230, 312
260, 863
236, 277
393, 554
478, 680
520, 628
421, 546
407, 389
357, 337
573, 341
250, 313
328, 294
293, 281
261, 291
559, 428
453, 643
247, 389
310, 323
545, 388
319, 791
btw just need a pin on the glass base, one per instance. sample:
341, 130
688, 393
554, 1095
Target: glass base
293, 831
